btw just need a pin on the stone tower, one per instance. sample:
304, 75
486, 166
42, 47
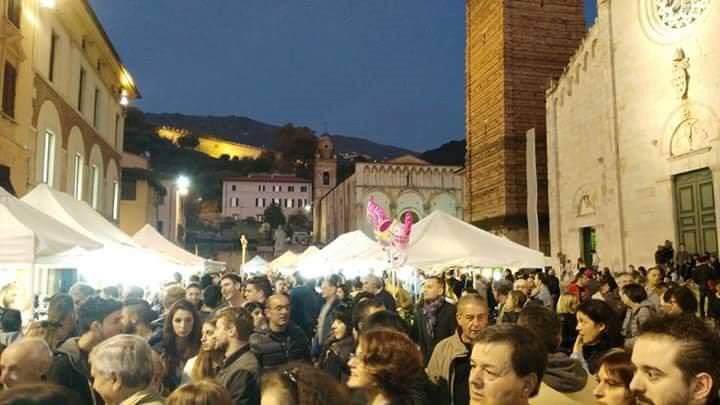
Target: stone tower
325, 177
513, 49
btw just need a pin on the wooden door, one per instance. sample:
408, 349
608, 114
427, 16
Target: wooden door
695, 211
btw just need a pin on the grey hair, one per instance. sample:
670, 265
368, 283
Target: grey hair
128, 356
40, 352
375, 280
85, 290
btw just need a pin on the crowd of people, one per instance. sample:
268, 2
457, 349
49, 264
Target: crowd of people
586, 335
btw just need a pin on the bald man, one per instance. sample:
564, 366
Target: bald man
26, 361
283, 341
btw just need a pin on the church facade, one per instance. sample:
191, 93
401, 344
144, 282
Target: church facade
633, 134
401, 185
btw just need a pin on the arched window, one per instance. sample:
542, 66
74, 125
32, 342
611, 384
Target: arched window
326, 178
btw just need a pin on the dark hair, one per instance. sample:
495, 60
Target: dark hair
618, 365
684, 297
212, 296
610, 281
386, 320
252, 306
39, 394
240, 318
170, 342
334, 280
205, 281
544, 323
262, 284
232, 277
601, 312
193, 285
361, 309
439, 280
528, 352
393, 360
302, 384
142, 310
10, 320
95, 309
699, 345
635, 292
503, 289
343, 313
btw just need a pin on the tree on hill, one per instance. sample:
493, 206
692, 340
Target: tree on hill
274, 216
297, 146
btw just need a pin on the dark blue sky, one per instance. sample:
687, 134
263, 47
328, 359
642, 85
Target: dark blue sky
391, 71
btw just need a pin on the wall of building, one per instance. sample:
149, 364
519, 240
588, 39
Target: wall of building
250, 198
134, 214
618, 121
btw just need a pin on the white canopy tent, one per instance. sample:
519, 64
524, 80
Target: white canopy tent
255, 265
77, 215
27, 234
443, 240
342, 254
285, 263
149, 238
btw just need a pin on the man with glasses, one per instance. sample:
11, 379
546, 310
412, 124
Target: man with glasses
284, 341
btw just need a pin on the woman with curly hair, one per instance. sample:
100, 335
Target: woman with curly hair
204, 392
302, 384
384, 367
180, 342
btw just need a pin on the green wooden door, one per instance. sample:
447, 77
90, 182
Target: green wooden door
695, 211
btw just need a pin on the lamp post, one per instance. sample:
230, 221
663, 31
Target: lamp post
243, 245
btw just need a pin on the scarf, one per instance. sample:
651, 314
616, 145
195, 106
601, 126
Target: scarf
430, 310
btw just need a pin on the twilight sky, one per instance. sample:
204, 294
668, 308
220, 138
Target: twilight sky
391, 71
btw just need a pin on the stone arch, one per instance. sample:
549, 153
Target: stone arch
410, 200
444, 202
75, 147
95, 161
112, 175
48, 122
585, 201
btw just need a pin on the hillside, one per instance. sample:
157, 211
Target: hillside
450, 154
251, 132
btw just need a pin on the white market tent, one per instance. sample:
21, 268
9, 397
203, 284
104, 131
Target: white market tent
255, 265
309, 252
345, 252
27, 234
149, 238
77, 215
286, 261
443, 240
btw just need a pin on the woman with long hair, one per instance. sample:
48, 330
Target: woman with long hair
302, 384
615, 372
180, 342
60, 321
205, 364
200, 393
513, 305
566, 307
385, 366
339, 348
598, 331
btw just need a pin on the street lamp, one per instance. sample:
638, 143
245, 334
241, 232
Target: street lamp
183, 184
49, 4
308, 208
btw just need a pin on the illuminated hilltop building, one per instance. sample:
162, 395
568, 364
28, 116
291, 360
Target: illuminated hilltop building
212, 146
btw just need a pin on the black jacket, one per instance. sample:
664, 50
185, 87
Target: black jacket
335, 357
239, 374
277, 349
445, 326
703, 274
387, 300
305, 306
70, 368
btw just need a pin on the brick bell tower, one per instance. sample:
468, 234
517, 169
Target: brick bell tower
513, 49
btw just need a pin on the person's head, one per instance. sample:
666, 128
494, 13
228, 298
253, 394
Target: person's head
364, 309
624, 279
385, 360
230, 286
584, 277
633, 294
607, 284
679, 299
257, 311
182, 324
615, 371
137, 314
567, 303
232, 325
523, 285
133, 292
299, 384
111, 291
100, 318
677, 358
342, 322
595, 320
372, 284
193, 294
433, 288
212, 296
207, 335
281, 286
11, 320
80, 292
61, 309
506, 366
171, 295
120, 367
329, 287
515, 301
25, 361
655, 276
277, 312
472, 317
204, 392
544, 323
501, 291
385, 320
258, 289
39, 394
